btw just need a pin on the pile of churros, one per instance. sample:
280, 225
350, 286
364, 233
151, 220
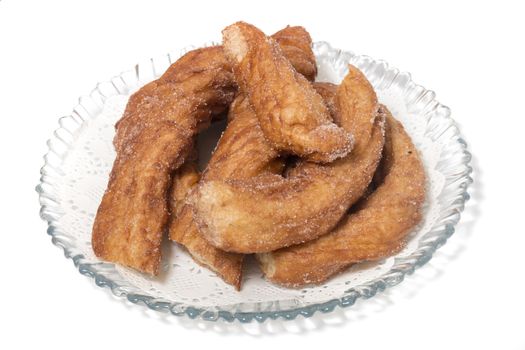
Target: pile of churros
310, 177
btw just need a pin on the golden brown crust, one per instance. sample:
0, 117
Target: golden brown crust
269, 211
227, 265
296, 45
154, 137
239, 153
184, 179
328, 92
376, 229
291, 113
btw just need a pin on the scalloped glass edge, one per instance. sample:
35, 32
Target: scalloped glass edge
454, 193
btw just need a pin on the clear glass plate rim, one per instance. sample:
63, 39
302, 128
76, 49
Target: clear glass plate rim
367, 290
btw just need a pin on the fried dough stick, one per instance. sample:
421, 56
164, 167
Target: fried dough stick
292, 115
376, 229
242, 152
269, 211
154, 137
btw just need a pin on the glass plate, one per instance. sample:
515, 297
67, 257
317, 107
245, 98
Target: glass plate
80, 156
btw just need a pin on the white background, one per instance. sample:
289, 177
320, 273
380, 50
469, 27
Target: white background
471, 295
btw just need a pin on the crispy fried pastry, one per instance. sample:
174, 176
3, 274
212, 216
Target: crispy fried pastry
227, 265
296, 45
154, 137
240, 153
184, 179
291, 113
328, 92
377, 228
269, 211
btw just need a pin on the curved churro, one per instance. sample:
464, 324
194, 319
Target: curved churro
270, 211
376, 229
242, 152
154, 137
292, 115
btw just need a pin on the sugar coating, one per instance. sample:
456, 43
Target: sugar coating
270, 211
377, 228
291, 113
